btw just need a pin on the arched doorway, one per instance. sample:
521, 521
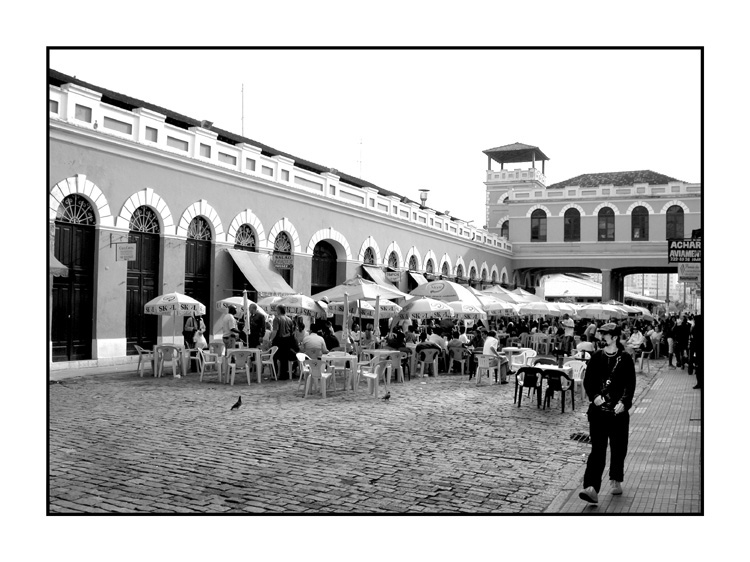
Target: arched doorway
283, 246
72, 296
245, 240
143, 280
323, 267
198, 265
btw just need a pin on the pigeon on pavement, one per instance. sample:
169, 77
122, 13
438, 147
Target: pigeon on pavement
387, 396
237, 404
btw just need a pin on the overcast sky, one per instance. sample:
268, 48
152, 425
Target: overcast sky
406, 120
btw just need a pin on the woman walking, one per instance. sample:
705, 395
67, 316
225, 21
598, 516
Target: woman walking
610, 385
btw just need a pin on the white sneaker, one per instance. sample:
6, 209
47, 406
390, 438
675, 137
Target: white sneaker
616, 488
589, 494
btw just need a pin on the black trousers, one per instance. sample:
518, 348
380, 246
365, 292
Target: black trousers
606, 428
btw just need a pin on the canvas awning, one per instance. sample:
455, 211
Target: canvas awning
56, 268
377, 275
261, 274
418, 277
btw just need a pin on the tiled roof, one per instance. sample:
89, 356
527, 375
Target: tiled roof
516, 152
615, 178
57, 78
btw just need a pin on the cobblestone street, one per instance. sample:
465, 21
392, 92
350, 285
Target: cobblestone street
124, 444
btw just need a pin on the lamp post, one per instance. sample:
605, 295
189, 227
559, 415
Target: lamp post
423, 196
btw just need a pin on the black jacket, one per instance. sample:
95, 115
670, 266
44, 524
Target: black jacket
611, 377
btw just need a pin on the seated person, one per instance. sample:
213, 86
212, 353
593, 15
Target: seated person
397, 340
455, 343
490, 348
635, 341
424, 345
585, 349
313, 345
367, 339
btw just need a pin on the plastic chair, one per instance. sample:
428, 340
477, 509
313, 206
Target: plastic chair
304, 370
216, 347
144, 356
210, 359
405, 360
527, 377
458, 355
317, 373
243, 359
426, 357
562, 383
267, 358
646, 355
384, 369
517, 361
578, 373
529, 354
165, 353
484, 365
525, 340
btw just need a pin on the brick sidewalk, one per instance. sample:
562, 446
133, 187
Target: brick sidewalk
663, 468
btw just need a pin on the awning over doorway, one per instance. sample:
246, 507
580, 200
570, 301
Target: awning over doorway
377, 275
418, 277
259, 271
56, 268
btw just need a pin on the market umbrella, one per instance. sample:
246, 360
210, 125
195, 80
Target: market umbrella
447, 291
567, 308
268, 304
499, 293
539, 309
465, 311
500, 308
302, 305
525, 296
626, 307
423, 307
359, 288
174, 304
365, 309
645, 312
601, 311
238, 303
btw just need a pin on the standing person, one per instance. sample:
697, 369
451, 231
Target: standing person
681, 340
669, 335
696, 347
300, 331
227, 323
199, 338
188, 331
257, 324
568, 333
610, 385
282, 336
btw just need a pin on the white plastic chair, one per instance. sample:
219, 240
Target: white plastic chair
517, 361
457, 355
317, 373
578, 373
165, 353
243, 359
304, 369
144, 356
268, 359
210, 360
425, 357
384, 369
484, 365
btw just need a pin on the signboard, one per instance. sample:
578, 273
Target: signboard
687, 250
283, 261
125, 252
689, 272
393, 275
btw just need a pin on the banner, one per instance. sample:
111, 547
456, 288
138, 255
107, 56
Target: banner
689, 272
283, 261
687, 250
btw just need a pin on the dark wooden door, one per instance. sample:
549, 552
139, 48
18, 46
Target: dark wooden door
323, 268
198, 275
72, 296
142, 286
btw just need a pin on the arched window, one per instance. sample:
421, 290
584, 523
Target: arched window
460, 271
494, 276
445, 271
369, 258
606, 224
675, 222
473, 274
538, 226
199, 229
393, 260
245, 239
572, 225
505, 229
75, 209
484, 275
283, 245
143, 277
413, 263
430, 267
198, 252
144, 220
639, 223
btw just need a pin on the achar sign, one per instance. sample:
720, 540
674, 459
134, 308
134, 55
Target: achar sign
686, 250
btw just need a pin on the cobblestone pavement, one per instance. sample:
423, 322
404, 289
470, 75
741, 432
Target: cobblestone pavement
123, 444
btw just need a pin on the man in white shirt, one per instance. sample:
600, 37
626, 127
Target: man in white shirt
568, 325
226, 324
490, 348
314, 346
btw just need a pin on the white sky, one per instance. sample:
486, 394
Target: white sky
424, 117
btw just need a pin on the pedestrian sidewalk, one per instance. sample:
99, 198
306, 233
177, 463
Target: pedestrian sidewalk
663, 468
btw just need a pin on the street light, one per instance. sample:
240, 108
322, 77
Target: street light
423, 196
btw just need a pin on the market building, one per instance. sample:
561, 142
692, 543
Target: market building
145, 201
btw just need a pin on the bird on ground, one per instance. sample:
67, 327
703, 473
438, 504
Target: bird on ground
387, 396
237, 404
